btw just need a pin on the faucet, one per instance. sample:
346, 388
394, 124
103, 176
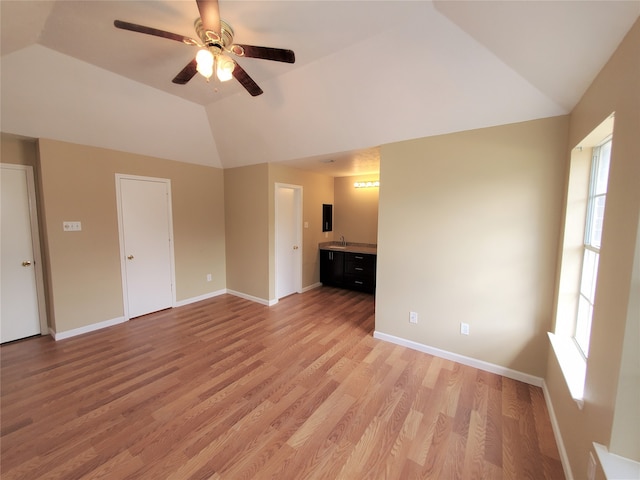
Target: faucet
343, 242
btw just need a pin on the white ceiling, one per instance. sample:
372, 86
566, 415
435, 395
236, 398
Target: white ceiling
366, 73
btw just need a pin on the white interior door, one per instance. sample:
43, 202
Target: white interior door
146, 244
20, 312
288, 240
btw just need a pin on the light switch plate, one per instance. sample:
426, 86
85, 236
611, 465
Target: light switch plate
72, 226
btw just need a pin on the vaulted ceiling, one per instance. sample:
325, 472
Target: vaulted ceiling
366, 73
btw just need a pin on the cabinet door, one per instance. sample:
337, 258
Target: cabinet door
331, 267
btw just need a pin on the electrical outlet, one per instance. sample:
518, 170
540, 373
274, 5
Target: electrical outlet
208, 277
413, 317
464, 328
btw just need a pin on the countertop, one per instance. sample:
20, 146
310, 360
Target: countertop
352, 247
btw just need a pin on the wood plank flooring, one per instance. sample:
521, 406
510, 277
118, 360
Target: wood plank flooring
230, 389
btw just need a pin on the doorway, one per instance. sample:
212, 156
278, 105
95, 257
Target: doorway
146, 244
288, 239
21, 286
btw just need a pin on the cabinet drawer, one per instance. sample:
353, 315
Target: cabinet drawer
358, 282
360, 264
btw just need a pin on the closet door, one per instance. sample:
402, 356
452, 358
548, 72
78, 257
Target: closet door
288, 236
20, 310
146, 244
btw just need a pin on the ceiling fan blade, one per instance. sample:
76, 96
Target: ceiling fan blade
153, 31
246, 81
265, 53
187, 73
210, 15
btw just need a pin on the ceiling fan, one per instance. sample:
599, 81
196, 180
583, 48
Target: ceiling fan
215, 39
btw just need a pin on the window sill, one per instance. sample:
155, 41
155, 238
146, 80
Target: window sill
572, 364
615, 466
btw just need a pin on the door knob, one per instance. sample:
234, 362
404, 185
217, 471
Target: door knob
26, 263
130, 257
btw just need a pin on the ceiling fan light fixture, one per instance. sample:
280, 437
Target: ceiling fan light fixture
204, 59
214, 38
224, 68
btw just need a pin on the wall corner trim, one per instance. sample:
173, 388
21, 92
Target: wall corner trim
262, 301
310, 287
200, 298
86, 329
472, 362
564, 458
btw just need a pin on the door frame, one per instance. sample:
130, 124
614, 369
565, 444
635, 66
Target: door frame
297, 196
123, 269
35, 243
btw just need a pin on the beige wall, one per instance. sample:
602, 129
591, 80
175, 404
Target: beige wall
247, 226
78, 183
616, 89
355, 211
316, 190
468, 232
250, 214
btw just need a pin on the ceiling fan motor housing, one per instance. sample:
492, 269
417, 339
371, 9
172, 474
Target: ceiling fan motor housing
216, 43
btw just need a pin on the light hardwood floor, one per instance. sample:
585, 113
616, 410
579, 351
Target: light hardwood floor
227, 388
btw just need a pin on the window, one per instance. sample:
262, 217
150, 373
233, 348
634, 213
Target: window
582, 237
592, 242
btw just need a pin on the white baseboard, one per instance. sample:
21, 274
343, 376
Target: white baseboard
564, 458
115, 321
311, 287
86, 329
472, 362
262, 301
199, 298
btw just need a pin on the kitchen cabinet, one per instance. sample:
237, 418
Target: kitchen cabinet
331, 267
360, 271
356, 271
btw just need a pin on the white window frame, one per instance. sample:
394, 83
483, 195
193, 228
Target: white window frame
596, 203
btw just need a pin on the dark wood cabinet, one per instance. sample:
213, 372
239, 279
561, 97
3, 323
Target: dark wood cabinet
360, 271
331, 267
356, 271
